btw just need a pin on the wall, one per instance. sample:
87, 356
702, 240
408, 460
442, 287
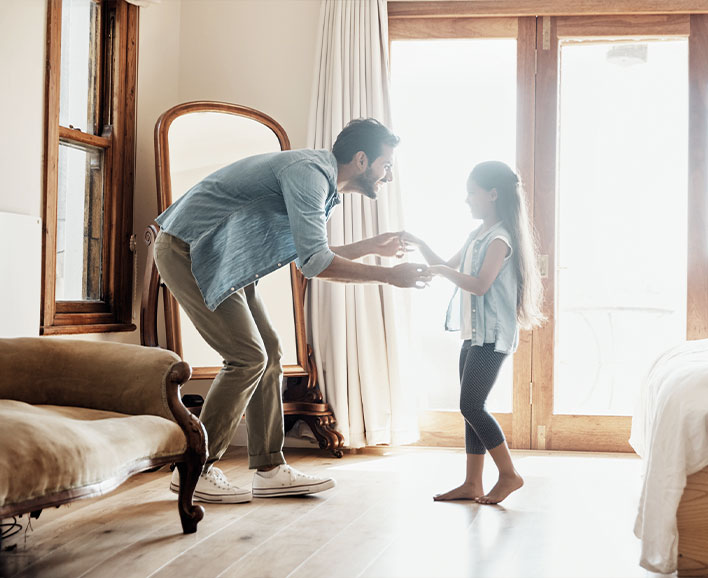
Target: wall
23, 26
260, 53
22, 32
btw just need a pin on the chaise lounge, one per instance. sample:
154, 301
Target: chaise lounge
78, 418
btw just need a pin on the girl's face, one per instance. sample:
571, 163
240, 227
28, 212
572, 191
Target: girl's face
480, 201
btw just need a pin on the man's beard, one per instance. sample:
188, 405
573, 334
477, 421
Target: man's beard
367, 184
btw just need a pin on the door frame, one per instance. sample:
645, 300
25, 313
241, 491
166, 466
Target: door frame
590, 432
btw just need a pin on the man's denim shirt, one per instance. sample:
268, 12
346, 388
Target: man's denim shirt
493, 315
254, 216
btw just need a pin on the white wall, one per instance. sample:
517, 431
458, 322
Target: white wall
22, 34
259, 53
23, 26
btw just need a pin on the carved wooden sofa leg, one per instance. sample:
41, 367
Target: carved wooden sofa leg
190, 514
196, 454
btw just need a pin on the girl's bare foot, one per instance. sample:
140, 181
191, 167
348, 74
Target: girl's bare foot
504, 486
463, 492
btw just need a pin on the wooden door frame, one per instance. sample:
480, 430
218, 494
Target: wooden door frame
610, 433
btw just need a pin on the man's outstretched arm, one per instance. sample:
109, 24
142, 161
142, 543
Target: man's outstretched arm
403, 275
383, 245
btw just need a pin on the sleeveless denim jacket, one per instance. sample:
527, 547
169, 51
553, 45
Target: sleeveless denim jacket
493, 315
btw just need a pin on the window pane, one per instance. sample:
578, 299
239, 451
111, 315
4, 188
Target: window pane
622, 202
454, 105
79, 64
79, 223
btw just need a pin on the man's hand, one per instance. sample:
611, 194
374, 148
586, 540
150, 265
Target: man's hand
410, 275
388, 245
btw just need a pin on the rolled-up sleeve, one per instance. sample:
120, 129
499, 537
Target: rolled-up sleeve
305, 190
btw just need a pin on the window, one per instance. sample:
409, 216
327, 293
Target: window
89, 164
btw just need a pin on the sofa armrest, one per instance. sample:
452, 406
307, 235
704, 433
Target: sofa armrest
111, 376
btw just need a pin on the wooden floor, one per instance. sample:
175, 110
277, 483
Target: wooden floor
573, 518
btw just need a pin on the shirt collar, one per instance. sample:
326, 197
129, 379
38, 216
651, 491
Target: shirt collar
334, 198
479, 236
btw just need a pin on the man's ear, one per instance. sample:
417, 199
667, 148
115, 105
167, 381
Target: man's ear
493, 195
361, 161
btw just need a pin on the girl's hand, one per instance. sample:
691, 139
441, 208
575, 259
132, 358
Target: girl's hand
438, 269
388, 245
410, 241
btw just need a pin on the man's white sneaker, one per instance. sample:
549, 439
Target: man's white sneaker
213, 487
286, 481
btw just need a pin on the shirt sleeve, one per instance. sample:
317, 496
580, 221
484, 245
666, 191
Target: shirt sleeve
305, 188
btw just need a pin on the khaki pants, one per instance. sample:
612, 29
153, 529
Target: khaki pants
240, 331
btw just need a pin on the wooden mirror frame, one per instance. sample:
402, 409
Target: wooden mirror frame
302, 398
164, 200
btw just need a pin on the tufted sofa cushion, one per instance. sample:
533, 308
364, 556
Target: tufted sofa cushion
50, 449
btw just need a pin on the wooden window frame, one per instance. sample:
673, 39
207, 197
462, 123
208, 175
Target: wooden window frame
116, 136
402, 9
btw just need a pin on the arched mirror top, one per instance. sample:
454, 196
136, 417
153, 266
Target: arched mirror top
200, 137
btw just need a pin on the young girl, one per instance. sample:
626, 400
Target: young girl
498, 290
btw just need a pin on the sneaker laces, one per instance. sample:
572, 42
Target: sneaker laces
217, 478
295, 474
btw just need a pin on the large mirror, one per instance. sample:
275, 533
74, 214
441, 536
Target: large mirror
192, 140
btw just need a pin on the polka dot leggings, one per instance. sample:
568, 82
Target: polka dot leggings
479, 368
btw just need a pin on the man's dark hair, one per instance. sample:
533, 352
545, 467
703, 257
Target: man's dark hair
362, 134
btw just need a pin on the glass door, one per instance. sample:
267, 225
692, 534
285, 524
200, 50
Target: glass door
606, 120
459, 97
612, 213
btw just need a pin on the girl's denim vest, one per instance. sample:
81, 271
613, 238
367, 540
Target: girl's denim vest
494, 313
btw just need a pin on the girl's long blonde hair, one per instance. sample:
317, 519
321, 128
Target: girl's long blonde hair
513, 212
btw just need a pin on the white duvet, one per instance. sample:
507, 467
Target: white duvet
670, 433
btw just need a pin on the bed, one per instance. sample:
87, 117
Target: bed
670, 433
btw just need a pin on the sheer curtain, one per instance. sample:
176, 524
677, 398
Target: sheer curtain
358, 331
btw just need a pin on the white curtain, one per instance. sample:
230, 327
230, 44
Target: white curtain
358, 331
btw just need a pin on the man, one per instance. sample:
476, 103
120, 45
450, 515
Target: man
236, 226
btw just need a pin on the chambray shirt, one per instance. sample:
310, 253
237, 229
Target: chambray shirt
254, 216
488, 318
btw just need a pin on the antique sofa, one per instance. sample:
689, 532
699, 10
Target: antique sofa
78, 418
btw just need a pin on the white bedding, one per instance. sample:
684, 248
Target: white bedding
670, 433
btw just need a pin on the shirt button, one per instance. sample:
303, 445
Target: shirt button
279, 265
474, 311
474, 331
256, 276
233, 289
